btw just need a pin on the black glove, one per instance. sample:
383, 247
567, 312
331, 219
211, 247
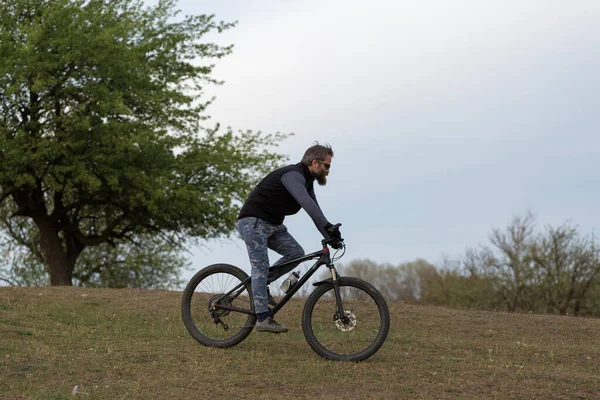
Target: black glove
334, 233
337, 244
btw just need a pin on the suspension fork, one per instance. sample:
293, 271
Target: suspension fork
338, 297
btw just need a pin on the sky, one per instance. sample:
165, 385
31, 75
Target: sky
446, 120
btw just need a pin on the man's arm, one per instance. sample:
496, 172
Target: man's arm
311, 193
295, 183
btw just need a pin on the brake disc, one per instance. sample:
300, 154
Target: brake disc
346, 327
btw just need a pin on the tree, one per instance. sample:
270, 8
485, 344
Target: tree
568, 265
22, 261
556, 271
404, 282
465, 284
512, 263
100, 112
150, 262
417, 279
590, 304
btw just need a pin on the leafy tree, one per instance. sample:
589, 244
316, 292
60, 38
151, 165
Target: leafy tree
100, 113
150, 262
22, 261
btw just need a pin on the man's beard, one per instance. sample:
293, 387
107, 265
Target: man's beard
321, 179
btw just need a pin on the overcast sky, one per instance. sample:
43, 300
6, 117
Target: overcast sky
446, 121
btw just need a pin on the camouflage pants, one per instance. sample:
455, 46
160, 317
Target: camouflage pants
259, 236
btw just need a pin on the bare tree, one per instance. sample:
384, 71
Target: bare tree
513, 265
552, 271
567, 266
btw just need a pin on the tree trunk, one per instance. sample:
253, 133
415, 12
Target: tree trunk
60, 266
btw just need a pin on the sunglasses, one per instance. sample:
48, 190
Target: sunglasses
327, 165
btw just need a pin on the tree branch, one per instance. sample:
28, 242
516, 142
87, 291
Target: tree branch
105, 236
7, 281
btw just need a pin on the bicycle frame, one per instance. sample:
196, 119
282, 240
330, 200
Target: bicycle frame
324, 259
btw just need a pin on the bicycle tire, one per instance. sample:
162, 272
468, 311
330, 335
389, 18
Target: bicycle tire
343, 335
198, 319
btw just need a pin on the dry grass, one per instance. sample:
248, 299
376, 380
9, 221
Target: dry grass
130, 344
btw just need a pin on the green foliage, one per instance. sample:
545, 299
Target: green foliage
454, 286
590, 304
101, 134
148, 263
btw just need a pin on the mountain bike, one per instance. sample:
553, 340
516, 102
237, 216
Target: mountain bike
343, 319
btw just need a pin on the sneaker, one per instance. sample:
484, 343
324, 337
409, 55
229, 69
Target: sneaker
270, 325
271, 300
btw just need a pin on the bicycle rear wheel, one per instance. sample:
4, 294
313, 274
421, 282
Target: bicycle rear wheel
216, 286
359, 333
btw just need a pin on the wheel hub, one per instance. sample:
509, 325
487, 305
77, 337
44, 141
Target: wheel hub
345, 324
214, 305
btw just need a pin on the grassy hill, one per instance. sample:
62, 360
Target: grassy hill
131, 344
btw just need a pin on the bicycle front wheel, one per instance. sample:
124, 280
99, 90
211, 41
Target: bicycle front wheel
217, 307
356, 335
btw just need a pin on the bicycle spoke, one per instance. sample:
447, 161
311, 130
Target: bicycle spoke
353, 337
204, 321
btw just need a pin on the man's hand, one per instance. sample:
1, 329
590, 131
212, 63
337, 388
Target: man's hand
337, 243
334, 231
336, 236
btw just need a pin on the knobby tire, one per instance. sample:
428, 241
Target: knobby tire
336, 341
207, 284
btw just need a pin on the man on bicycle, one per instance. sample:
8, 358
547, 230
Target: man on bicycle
260, 223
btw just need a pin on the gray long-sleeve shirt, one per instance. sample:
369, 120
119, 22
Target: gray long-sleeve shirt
295, 183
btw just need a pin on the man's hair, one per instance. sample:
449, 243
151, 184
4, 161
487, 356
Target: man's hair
316, 152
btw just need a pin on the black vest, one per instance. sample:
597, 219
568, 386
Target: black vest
271, 201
